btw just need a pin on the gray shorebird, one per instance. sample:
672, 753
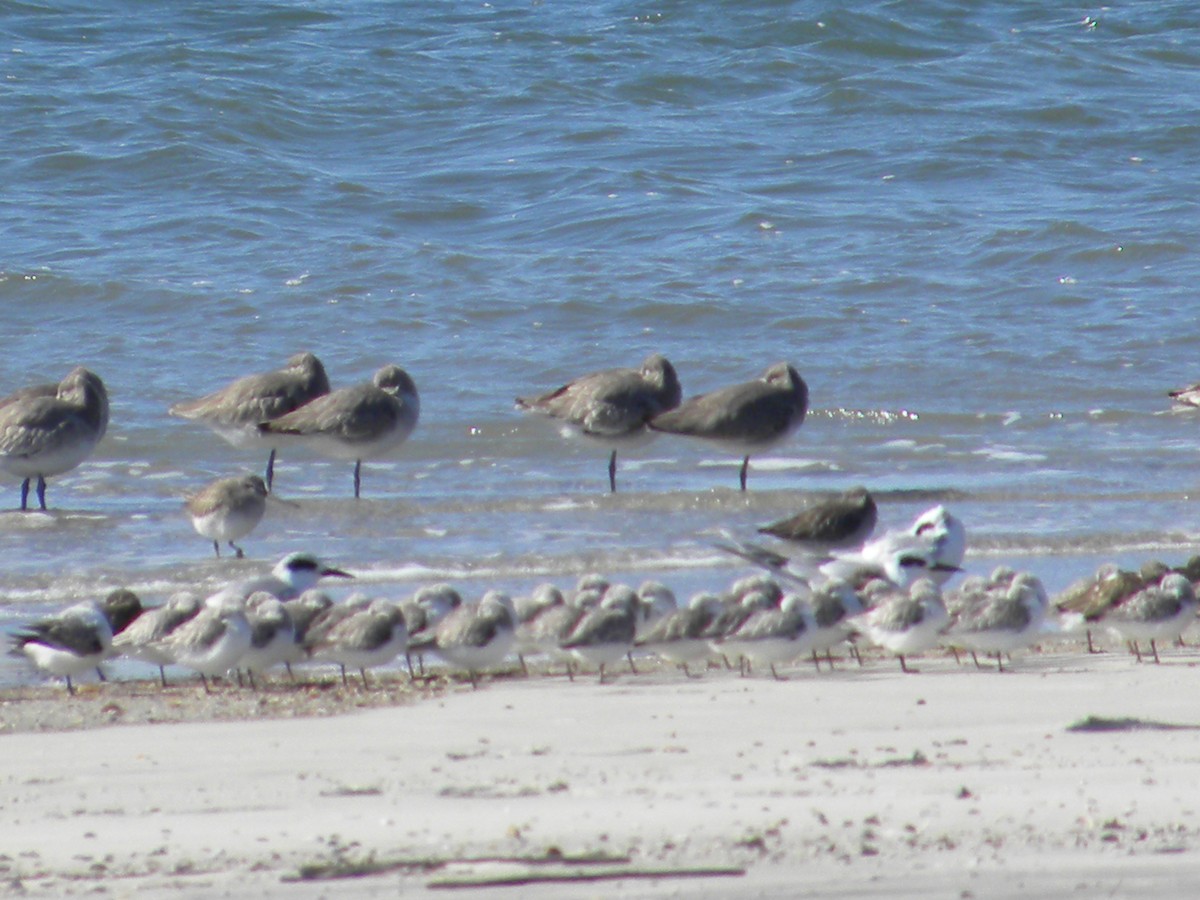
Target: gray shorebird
48, 429
743, 418
476, 636
365, 421
228, 509
78, 638
139, 640
236, 411
612, 407
839, 522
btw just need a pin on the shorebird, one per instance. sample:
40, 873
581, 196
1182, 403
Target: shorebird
291, 577
478, 636
679, 637
1158, 612
370, 637
998, 615
744, 418
1084, 602
834, 605
933, 547
361, 422
612, 407
48, 429
775, 635
422, 613
1189, 396
606, 632
272, 634
78, 638
840, 522
905, 621
657, 602
139, 640
236, 411
303, 611
212, 642
228, 509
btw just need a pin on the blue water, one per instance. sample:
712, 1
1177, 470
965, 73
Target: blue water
972, 228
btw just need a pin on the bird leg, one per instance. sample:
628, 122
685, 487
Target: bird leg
357, 476
25, 495
217, 549
1154, 650
241, 554
632, 668
270, 469
612, 472
745, 467
41, 492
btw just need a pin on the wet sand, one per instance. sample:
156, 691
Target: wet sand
1073, 775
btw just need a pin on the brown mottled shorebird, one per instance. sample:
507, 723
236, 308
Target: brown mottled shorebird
236, 411
228, 509
744, 418
361, 422
612, 407
846, 520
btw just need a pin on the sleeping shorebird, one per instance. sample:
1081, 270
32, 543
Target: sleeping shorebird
476, 637
365, 421
606, 632
1157, 613
998, 615
78, 638
839, 523
49, 429
612, 407
139, 640
227, 510
905, 620
744, 418
236, 411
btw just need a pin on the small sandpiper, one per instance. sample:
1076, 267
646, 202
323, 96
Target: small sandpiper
228, 509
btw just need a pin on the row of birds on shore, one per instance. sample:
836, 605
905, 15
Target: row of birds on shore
48, 429
888, 591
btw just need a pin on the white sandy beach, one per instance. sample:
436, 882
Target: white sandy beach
953, 782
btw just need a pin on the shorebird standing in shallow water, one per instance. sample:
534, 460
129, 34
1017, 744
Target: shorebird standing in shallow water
361, 422
78, 638
840, 522
228, 509
744, 418
612, 407
236, 411
49, 429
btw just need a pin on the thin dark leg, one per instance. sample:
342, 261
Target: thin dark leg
41, 492
162, 675
612, 472
345, 683
70, 687
903, 665
270, 468
632, 668
25, 495
204, 681
240, 553
745, 467
217, 549
357, 476
1154, 650
363, 673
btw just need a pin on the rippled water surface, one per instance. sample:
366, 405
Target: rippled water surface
972, 229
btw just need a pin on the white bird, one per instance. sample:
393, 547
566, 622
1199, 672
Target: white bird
228, 509
743, 418
612, 407
365, 421
906, 621
291, 577
46, 430
933, 547
79, 638
236, 411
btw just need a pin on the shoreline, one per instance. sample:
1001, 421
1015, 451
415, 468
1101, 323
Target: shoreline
1066, 774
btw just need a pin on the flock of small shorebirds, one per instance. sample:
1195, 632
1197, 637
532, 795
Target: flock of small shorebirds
831, 583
